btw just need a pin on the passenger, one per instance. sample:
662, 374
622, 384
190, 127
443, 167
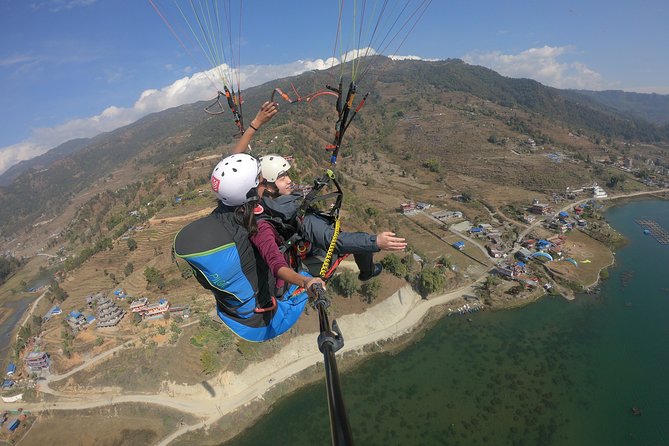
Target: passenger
225, 262
268, 242
280, 200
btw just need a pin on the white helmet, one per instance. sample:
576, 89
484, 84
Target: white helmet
235, 179
273, 166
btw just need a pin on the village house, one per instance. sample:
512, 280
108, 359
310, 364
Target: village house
495, 251
150, 311
37, 361
409, 208
138, 306
598, 192
55, 310
559, 226
476, 231
157, 310
523, 254
504, 271
540, 208
108, 314
180, 310
77, 321
447, 215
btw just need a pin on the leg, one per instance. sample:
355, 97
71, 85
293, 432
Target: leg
319, 232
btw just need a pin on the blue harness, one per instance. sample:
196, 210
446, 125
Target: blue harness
225, 262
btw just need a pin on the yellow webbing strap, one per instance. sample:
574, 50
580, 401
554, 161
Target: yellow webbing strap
331, 248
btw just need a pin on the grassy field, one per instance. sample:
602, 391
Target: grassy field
120, 424
581, 247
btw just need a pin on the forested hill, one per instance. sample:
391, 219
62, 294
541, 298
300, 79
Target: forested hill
43, 161
653, 108
396, 86
561, 105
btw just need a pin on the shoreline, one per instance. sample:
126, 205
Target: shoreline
392, 344
399, 318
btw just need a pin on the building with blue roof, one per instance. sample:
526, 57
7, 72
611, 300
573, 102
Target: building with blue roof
542, 244
11, 368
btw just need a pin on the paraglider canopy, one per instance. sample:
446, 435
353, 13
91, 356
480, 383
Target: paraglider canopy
570, 260
543, 254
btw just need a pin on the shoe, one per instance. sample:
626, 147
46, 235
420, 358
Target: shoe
377, 270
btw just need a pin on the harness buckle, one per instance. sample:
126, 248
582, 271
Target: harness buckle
266, 309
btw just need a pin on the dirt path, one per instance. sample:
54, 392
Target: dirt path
192, 216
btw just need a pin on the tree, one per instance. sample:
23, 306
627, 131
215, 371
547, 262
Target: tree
136, 318
132, 244
56, 293
490, 283
129, 268
154, 278
345, 283
36, 325
186, 270
370, 290
432, 165
394, 265
430, 280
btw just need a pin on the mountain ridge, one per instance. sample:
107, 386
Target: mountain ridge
165, 137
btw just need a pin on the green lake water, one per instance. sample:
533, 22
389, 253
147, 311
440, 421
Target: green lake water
552, 373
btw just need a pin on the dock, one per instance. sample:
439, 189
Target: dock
654, 229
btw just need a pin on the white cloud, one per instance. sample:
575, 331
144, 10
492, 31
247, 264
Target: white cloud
18, 152
17, 59
410, 57
61, 5
186, 90
544, 65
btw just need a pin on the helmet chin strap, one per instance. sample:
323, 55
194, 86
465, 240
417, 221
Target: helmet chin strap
252, 194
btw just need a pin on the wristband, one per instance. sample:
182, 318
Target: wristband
254, 128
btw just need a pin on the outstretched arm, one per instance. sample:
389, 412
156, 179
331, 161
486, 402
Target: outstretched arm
266, 113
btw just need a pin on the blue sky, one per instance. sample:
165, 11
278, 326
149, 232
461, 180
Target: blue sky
74, 68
